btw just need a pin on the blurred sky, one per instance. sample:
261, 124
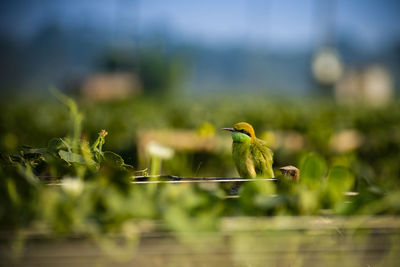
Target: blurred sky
267, 44
274, 22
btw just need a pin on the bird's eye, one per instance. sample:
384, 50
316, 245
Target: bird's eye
245, 132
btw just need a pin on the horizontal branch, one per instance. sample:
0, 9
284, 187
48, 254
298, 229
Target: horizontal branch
178, 179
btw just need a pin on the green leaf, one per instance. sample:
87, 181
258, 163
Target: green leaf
113, 158
34, 151
116, 160
12, 191
71, 157
56, 144
312, 170
340, 180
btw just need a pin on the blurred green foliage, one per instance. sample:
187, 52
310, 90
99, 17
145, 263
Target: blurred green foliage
158, 70
95, 193
34, 121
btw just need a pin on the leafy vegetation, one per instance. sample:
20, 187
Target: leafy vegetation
73, 186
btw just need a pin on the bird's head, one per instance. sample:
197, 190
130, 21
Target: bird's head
241, 132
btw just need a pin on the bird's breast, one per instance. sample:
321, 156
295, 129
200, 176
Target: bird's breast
243, 160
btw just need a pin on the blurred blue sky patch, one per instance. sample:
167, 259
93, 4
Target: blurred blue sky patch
252, 44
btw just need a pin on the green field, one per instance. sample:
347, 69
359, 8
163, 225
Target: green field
61, 176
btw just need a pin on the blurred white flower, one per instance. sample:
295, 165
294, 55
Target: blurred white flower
157, 150
72, 185
327, 66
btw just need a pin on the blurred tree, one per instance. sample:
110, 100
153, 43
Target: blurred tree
157, 71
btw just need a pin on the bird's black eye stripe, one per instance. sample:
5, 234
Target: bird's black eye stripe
245, 132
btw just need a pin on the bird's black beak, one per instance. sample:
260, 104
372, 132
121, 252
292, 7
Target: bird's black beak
229, 129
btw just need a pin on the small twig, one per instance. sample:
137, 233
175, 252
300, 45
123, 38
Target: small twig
198, 168
196, 179
180, 180
176, 180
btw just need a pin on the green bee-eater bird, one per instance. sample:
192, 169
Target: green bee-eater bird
251, 155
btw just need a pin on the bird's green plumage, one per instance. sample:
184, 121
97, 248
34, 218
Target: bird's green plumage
251, 155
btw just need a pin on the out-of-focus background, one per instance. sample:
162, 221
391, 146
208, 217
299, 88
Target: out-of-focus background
318, 79
309, 75
274, 47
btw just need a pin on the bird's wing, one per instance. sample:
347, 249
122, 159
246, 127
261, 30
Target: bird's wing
262, 158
